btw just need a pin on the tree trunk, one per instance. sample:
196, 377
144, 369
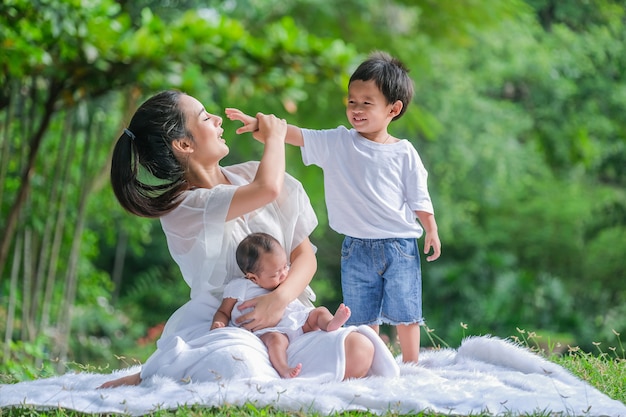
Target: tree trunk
65, 316
8, 333
5, 145
43, 263
57, 241
27, 295
118, 265
34, 142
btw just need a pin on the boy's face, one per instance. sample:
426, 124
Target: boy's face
368, 110
272, 271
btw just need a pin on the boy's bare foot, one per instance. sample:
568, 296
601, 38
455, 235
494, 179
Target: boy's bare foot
133, 379
292, 372
341, 316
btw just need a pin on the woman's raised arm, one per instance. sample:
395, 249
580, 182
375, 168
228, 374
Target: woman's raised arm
268, 181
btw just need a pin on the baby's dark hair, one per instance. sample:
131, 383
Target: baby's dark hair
390, 75
251, 248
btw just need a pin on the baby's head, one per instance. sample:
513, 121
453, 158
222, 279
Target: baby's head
262, 260
390, 76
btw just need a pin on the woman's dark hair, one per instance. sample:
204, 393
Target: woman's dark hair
391, 77
251, 248
147, 142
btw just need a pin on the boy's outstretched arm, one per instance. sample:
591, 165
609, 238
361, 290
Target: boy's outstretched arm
294, 136
431, 240
250, 125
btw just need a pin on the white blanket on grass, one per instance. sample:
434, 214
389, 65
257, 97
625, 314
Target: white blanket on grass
484, 375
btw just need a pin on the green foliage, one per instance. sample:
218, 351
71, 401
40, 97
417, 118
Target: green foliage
107, 58
70, 35
26, 361
158, 290
518, 117
100, 331
519, 211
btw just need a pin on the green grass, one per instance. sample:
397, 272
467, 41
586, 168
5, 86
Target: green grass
604, 369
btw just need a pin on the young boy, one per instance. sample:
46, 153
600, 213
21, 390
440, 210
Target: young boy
264, 263
375, 187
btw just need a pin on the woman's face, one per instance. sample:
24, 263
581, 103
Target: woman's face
206, 129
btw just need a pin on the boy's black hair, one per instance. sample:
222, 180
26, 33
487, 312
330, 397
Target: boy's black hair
390, 75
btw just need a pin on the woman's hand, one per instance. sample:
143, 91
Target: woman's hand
267, 310
270, 127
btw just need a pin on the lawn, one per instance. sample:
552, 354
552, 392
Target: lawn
604, 369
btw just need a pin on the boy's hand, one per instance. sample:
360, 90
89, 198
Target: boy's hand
250, 124
261, 126
431, 241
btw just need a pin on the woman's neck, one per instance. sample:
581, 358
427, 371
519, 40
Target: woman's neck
207, 177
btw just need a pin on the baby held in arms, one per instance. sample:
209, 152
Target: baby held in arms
264, 264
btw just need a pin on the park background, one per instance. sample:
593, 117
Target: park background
519, 116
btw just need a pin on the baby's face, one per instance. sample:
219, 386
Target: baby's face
273, 269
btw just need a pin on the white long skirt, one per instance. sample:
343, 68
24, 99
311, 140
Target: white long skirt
189, 351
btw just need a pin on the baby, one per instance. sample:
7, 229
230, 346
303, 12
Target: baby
264, 264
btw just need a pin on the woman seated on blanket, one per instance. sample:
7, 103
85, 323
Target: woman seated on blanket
205, 211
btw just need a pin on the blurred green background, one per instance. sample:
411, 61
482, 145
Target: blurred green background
519, 117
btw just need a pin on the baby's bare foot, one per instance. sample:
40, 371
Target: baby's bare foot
293, 372
341, 316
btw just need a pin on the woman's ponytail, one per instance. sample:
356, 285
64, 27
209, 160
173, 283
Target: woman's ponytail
146, 177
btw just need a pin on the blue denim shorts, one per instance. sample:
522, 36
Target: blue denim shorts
381, 280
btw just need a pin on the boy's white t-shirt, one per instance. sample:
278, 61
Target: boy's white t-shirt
372, 190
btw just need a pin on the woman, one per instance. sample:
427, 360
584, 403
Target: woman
166, 165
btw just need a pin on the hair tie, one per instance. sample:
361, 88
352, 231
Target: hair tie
130, 134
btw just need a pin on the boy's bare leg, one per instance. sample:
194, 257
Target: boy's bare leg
321, 319
409, 337
134, 379
277, 344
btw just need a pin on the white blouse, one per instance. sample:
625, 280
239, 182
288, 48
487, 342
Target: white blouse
203, 244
